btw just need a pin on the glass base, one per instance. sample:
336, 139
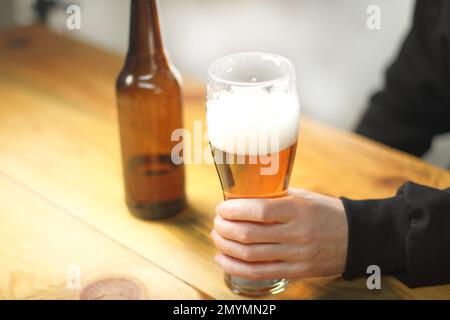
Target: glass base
159, 210
256, 288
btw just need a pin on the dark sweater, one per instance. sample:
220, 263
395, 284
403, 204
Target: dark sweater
408, 234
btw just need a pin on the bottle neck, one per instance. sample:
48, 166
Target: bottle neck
146, 47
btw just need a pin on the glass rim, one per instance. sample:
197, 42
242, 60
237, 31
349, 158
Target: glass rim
286, 76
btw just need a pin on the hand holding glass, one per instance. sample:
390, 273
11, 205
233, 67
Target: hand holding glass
253, 114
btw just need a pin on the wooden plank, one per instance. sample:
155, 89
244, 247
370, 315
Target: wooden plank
43, 248
62, 142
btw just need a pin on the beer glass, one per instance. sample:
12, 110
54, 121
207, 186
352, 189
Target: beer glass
252, 114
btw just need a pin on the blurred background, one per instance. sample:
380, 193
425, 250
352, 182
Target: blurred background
339, 61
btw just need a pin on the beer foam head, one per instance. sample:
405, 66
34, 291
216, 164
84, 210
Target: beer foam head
252, 120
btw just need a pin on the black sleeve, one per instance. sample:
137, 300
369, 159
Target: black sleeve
414, 105
407, 235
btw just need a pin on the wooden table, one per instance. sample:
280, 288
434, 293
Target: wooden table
61, 194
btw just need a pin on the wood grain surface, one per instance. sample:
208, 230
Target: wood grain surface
61, 193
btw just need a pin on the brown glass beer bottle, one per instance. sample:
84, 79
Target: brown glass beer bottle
149, 109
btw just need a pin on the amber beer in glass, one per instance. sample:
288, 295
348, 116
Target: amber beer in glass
149, 109
253, 114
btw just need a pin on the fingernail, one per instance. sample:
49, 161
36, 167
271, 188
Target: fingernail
219, 207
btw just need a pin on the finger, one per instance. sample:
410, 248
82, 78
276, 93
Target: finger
252, 252
262, 270
302, 194
249, 232
261, 252
258, 210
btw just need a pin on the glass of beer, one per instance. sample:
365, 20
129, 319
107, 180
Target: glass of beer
253, 113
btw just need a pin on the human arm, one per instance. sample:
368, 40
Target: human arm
307, 234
